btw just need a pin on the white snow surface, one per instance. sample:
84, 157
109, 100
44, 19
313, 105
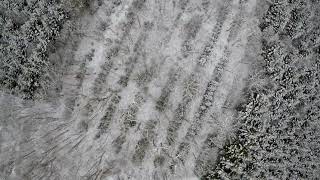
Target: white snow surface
75, 137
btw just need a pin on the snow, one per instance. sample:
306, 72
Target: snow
95, 156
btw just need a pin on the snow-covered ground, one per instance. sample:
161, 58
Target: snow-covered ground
150, 94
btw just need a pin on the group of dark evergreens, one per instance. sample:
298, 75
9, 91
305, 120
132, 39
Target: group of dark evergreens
277, 127
29, 30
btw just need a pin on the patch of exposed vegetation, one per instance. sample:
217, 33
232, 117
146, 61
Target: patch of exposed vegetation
143, 144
